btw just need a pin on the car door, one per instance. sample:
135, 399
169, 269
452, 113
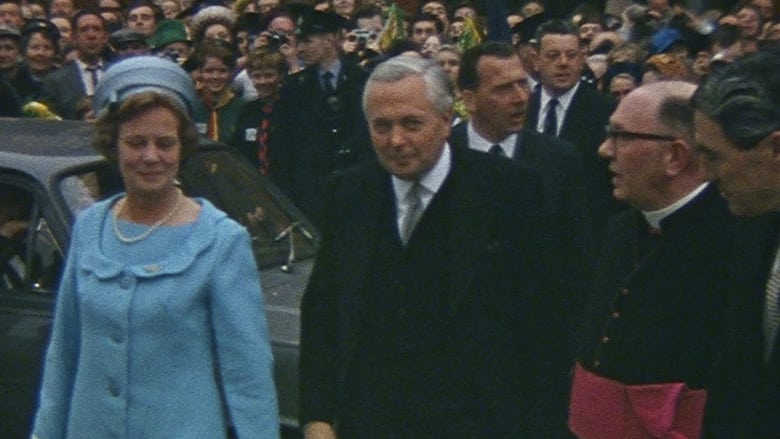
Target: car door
30, 264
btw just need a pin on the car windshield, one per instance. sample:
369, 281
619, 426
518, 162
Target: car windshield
279, 233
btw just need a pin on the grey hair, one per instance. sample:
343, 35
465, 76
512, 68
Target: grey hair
437, 84
675, 112
743, 98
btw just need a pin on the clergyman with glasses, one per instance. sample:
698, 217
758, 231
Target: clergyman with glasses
655, 307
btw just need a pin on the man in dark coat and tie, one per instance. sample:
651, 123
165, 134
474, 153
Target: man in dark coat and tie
495, 91
738, 136
654, 314
64, 89
572, 110
319, 124
432, 310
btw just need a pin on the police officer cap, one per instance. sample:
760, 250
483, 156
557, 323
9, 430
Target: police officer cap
40, 25
526, 29
7, 31
141, 74
318, 22
122, 37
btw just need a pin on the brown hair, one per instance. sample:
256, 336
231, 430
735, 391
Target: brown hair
262, 58
105, 136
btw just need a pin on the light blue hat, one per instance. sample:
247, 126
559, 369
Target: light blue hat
143, 73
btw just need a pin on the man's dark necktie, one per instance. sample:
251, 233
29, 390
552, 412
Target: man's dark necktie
93, 72
497, 150
327, 83
551, 118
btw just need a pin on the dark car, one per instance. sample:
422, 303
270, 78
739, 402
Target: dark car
49, 173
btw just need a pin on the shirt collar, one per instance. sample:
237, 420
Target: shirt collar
563, 100
334, 68
432, 180
654, 217
479, 143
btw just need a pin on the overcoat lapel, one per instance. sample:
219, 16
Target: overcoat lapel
469, 225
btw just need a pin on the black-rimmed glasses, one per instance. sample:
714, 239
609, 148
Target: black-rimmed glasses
615, 134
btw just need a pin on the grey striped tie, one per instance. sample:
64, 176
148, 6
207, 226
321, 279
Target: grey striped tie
414, 210
772, 309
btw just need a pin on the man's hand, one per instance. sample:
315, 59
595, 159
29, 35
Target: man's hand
318, 430
12, 228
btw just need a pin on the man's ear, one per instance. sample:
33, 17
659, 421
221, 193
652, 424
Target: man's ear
468, 100
678, 157
774, 144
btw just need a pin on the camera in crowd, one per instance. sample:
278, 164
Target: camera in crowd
361, 37
276, 40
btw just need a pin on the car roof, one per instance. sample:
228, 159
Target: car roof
44, 148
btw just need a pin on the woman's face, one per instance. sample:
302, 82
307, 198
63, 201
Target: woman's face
215, 75
218, 32
242, 42
345, 8
170, 9
63, 25
149, 151
749, 22
431, 46
9, 53
40, 53
449, 61
267, 82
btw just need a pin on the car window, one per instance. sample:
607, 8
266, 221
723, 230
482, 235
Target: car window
30, 257
280, 234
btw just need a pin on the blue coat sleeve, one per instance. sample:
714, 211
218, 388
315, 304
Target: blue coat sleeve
62, 354
241, 337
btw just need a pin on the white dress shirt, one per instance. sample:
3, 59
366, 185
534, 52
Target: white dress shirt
564, 101
480, 143
430, 183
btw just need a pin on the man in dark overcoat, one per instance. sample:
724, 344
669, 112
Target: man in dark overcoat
432, 311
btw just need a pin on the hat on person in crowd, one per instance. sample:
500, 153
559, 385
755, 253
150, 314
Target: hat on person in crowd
665, 39
168, 31
209, 16
141, 74
7, 31
526, 29
318, 22
40, 25
198, 6
669, 66
124, 37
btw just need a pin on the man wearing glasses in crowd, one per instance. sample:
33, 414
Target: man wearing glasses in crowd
656, 304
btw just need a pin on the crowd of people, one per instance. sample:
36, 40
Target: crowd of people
539, 220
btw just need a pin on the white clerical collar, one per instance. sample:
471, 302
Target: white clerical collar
654, 217
431, 181
480, 143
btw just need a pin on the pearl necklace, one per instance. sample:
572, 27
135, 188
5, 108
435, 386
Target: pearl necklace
150, 230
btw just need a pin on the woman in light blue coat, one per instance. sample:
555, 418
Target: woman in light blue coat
159, 329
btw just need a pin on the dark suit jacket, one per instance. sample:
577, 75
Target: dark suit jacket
559, 164
308, 145
510, 323
63, 89
669, 301
584, 126
744, 400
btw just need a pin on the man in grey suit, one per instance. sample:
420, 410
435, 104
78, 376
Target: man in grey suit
64, 89
433, 308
